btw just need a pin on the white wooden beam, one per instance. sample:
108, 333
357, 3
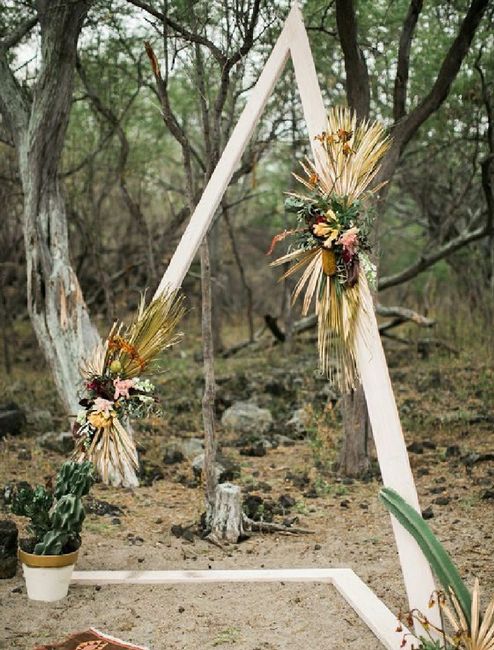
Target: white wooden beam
381, 621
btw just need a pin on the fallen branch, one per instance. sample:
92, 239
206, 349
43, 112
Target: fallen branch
267, 527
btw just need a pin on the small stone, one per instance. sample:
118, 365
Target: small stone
8, 548
181, 532
299, 422
442, 501
416, 448
101, 508
116, 521
40, 420
24, 454
437, 490
286, 501
452, 451
181, 609
12, 420
317, 547
311, 493
423, 471
363, 506
345, 503
16, 590
61, 443
173, 456
488, 494
427, 513
256, 451
246, 417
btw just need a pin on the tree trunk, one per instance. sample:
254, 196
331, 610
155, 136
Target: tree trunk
38, 123
209, 474
58, 313
354, 459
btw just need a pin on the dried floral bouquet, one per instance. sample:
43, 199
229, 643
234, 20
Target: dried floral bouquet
116, 390
332, 244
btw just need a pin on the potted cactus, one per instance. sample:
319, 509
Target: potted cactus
48, 556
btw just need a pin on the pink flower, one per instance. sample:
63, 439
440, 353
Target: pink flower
103, 406
122, 387
349, 241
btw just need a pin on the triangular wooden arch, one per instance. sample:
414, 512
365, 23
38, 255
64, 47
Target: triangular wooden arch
383, 413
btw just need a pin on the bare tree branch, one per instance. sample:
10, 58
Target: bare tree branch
18, 33
191, 37
401, 80
426, 260
357, 77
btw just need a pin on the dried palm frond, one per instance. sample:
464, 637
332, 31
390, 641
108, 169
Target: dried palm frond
344, 171
112, 451
479, 635
138, 345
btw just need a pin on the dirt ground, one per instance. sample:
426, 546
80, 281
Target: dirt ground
445, 402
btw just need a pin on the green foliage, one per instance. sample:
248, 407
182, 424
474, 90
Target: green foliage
56, 519
436, 555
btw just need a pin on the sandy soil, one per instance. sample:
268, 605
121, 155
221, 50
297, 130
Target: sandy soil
349, 528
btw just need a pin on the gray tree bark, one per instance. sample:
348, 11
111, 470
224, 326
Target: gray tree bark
38, 122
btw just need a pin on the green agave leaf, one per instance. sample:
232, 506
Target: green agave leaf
436, 555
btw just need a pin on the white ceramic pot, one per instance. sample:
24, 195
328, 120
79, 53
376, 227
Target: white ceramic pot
47, 576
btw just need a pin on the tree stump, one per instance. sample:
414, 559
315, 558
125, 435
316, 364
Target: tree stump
226, 523
8, 548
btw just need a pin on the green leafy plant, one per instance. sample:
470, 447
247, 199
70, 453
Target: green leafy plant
56, 517
436, 555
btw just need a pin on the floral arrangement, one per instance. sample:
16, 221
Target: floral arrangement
331, 243
116, 391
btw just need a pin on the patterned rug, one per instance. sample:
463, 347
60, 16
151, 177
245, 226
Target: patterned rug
90, 640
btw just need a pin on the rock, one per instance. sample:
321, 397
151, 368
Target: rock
437, 490
345, 503
311, 493
282, 440
226, 469
12, 420
61, 443
254, 450
299, 422
149, 473
488, 494
452, 451
173, 456
181, 532
8, 548
101, 508
189, 447
246, 417
253, 506
317, 547
416, 448
427, 513
275, 387
299, 480
24, 454
442, 501
423, 471
286, 501
40, 420
428, 444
